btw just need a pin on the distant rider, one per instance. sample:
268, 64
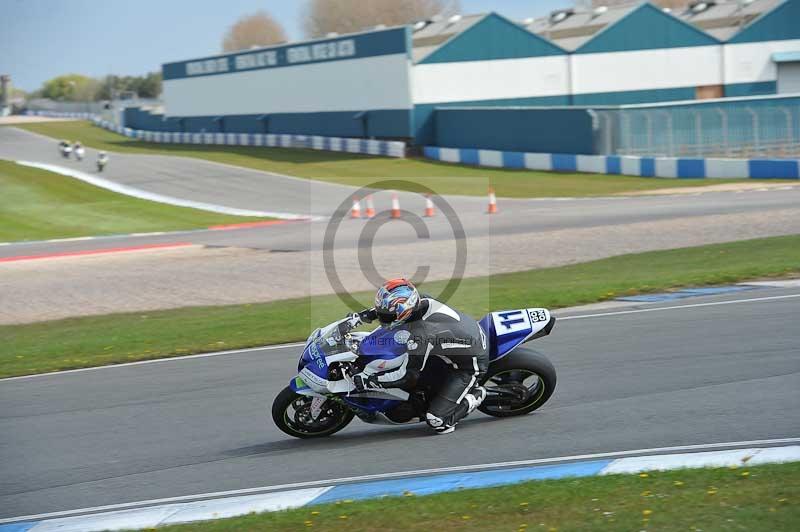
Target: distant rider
102, 161
79, 151
435, 330
66, 148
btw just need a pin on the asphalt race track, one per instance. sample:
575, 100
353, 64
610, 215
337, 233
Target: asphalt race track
689, 375
208, 182
257, 264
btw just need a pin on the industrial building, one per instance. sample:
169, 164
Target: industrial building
388, 83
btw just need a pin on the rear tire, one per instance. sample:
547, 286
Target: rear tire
286, 420
526, 361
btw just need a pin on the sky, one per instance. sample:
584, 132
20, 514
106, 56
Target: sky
41, 39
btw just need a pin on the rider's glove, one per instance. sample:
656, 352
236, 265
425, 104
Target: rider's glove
362, 382
368, 316
354, 320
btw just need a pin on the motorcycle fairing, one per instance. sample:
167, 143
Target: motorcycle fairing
507, 329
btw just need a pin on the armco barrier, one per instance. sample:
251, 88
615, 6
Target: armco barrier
388, 148
671, 167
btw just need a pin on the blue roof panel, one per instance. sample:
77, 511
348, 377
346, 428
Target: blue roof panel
494, 37
645, 28
782, 23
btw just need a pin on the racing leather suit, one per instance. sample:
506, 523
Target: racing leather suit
436, 330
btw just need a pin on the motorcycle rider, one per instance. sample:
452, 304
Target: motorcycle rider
79, 151
102, 160
432, 329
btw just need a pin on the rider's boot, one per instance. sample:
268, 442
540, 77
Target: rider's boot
439, 425
474, 398
471, 401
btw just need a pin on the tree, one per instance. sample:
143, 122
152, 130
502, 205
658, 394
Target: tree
147, 86
258, 29
71, 88
347, 16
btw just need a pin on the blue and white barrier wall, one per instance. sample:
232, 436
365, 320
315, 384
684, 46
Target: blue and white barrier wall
670, 167
388, 148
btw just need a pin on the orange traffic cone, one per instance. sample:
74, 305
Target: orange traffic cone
429, 212
395, 205
492, 202
355, 212
370, 212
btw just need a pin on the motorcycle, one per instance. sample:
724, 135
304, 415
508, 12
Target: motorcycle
101, 164
79, 153
66, 150
322, 399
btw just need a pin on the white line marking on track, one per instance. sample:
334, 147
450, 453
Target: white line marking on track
153, 361
693, 305
298, 344
411, 473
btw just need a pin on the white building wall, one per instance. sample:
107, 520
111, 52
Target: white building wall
647, 69
752, 62
379, 82
490, 80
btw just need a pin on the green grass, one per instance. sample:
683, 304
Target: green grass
760, 498
361, 170
37, 205
109, 339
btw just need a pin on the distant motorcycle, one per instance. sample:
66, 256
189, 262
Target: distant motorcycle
102, 161
79, 152
322, 398
66, 149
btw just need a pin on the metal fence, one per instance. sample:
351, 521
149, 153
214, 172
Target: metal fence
759, 127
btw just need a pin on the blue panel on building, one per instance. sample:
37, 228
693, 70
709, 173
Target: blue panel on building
389, 123
425, 124
634, 97
757, 88
537, 130
493, 37
782, 23
646, 28
384, 42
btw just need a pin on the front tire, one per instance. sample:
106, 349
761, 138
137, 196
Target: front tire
290, 412
522, 368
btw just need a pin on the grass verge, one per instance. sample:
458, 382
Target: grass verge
109, 339
744, 498
37, 205
360, 170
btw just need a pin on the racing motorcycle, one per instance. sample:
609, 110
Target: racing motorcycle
322, 399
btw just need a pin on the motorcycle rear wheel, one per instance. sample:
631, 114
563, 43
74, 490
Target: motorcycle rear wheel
521, 368
290, 412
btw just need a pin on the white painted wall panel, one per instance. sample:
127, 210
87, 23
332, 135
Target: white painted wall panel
380, 82
727, 168
752, 62
490, 158
490, 80
666, 167
647, 69
591, 163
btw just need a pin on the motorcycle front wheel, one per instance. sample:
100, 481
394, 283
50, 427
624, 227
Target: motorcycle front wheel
526, 378
291, 412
